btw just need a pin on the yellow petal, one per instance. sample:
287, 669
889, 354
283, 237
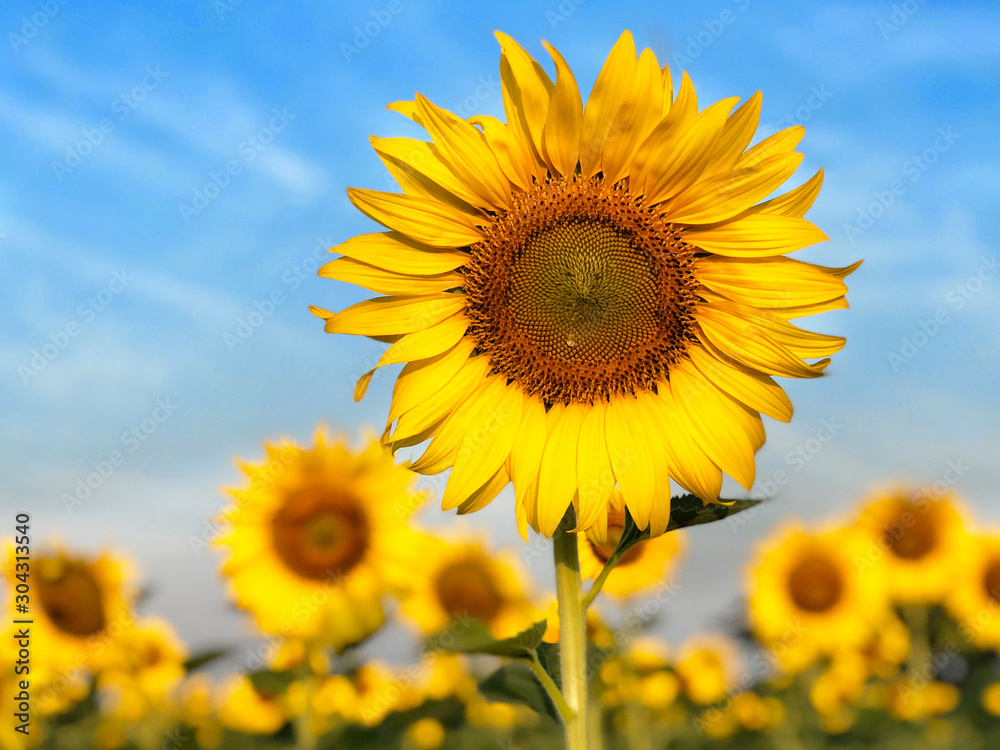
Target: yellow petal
561, 133
422, 379
528, 86
463, 149
795, 202
631, 458
690, 466
464, 418
610, 89
724, 195
677, 158
507, 148
736, 135
771, 282
419, 170
782, 142
422, 219
526, 457
396, 252
668, 89
712, 423
484, 449
757, 391
396, 314
485, 494
756, 236
639, 113
422, 344
594, 475
557, 472
388, 282
426, 414
407, 109
742, 340
650, 421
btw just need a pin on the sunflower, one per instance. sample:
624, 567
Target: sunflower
644, 565
808, 598
588, 297
454, 582
315, 538
244, 708
80, 606
974, 598
918, 539
706, 666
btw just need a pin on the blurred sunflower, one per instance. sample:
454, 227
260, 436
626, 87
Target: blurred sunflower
974, 597
315, 539
918, 540
244, 708
646, 564
706, 665
80, 606
587, 297
462, 580
807, 596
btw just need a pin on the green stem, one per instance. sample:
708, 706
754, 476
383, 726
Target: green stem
305, 737
595, 588
572, 633
916, 617
565, 712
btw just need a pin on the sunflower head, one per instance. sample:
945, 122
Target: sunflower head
809, 597
461, 581
588, 297
705, 666
316, 539
977, 590
919, 539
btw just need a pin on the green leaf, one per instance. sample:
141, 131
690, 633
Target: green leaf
204, 657
548, 657
515, 683
476, 639
270, 681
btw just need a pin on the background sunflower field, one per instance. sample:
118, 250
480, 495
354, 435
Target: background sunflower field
174, 176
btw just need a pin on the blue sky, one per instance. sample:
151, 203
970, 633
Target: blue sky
172, 169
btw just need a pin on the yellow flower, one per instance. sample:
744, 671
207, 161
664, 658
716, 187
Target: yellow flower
462, 581
808, 598
974, 596
990, 698
916, 702
80, 606
917, 539
705, 667
316, 539
588, 297
244, 709
646, 564
426, 734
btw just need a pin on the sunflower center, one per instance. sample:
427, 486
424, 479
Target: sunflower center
815, 584
466, 589
991, 581
71, 598
579, 292
320, 534
911, 541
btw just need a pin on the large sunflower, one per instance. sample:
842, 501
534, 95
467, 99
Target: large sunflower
647, 564
588, 297
314, 539
919, 539
808, 597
